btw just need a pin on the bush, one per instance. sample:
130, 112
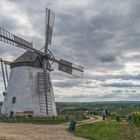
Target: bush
135, 118
118, 119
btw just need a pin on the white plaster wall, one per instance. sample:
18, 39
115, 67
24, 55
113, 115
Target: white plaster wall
53, 103
22, 85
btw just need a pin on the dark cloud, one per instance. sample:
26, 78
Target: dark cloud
134, 96
121, 85
128, 77
106, 58
104, 77
67, 83
107, 96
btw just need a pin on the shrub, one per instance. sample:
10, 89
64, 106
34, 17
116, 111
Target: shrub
118, 119
135, 118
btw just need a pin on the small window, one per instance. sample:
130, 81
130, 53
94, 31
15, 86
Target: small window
13, 100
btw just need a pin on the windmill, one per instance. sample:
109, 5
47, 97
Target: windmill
29, 90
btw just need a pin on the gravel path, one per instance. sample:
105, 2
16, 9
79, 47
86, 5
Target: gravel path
9, 131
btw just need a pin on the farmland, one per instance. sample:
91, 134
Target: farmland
122, 108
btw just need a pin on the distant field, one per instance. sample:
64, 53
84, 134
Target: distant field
123, 108
109, 130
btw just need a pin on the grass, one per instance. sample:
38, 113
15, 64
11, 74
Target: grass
35, 121
109, 130
45, 120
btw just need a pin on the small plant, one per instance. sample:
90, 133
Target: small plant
118, 119
85, 117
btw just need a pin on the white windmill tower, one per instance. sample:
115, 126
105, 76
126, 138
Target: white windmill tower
29, 90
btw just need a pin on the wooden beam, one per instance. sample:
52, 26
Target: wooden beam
3, 74
6, 71
6, 62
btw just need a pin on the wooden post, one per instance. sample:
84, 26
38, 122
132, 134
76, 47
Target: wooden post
6, 72
3, 74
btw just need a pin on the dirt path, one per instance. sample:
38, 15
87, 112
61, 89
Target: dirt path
9, 131
91, 120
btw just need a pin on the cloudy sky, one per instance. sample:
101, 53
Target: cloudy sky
101, 35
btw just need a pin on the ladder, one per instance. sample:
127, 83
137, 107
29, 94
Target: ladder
45, 102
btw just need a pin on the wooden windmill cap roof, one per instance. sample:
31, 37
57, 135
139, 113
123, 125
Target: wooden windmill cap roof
28, 56
27, 59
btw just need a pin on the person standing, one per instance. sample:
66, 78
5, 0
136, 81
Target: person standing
72, 126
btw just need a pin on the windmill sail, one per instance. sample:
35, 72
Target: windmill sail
49, 22
12, 39
71, 68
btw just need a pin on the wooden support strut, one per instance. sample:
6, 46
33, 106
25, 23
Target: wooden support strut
45, 84
3, 74
6, 72
6, 62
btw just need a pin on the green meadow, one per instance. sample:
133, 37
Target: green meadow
109, 130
